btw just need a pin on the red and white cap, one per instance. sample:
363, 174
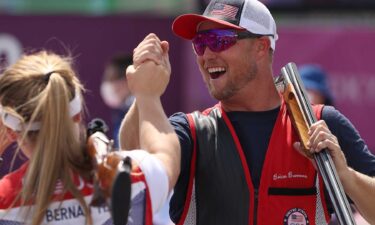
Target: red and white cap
250, 15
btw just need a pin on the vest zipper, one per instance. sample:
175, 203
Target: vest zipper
255, 215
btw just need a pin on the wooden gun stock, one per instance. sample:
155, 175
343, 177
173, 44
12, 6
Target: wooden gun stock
111, 174
299, 107
105, 166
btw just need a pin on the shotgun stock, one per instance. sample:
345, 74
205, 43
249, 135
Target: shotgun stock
111, 173
299, 107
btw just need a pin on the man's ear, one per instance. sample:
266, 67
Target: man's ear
264, 44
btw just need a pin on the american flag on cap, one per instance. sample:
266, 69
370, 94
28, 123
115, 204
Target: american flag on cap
228, 11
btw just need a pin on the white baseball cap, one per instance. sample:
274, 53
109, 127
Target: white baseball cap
250, 15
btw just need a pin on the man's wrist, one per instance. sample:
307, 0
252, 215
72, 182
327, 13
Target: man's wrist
348, 179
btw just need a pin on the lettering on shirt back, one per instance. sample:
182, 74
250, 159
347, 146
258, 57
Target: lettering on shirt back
72, 211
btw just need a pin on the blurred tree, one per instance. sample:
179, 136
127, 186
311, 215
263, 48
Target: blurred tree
169, 7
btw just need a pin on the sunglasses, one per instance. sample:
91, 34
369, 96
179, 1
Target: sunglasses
218, 40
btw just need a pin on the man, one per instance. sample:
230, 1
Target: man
238, 163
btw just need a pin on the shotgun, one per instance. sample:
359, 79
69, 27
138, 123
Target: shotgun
111, 173
290, 86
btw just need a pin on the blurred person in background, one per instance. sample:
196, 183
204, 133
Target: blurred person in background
115, 92
238, 162
41, 109
316, 83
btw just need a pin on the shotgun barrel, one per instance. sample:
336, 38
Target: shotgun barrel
299, 107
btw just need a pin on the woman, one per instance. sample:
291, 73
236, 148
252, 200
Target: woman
41, 109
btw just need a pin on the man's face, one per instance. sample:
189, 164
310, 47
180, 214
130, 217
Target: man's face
226, 73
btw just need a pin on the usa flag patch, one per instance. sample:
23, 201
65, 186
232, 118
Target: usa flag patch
296, 216
225, 10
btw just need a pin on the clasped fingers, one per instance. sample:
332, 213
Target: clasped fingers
149, 49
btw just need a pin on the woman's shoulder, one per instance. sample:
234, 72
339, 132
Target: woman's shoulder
10, 185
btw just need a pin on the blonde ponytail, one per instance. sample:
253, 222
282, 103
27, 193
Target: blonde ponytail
58, 150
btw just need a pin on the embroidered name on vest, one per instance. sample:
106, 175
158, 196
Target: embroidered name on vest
289, 175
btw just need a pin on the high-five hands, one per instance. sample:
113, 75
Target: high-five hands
148, 78
150, 73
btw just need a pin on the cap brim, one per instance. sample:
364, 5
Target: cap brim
186, 25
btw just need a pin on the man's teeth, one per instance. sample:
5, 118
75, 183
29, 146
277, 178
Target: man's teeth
216, 69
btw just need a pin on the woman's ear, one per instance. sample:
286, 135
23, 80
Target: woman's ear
11, 134
7, 137
77, 118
